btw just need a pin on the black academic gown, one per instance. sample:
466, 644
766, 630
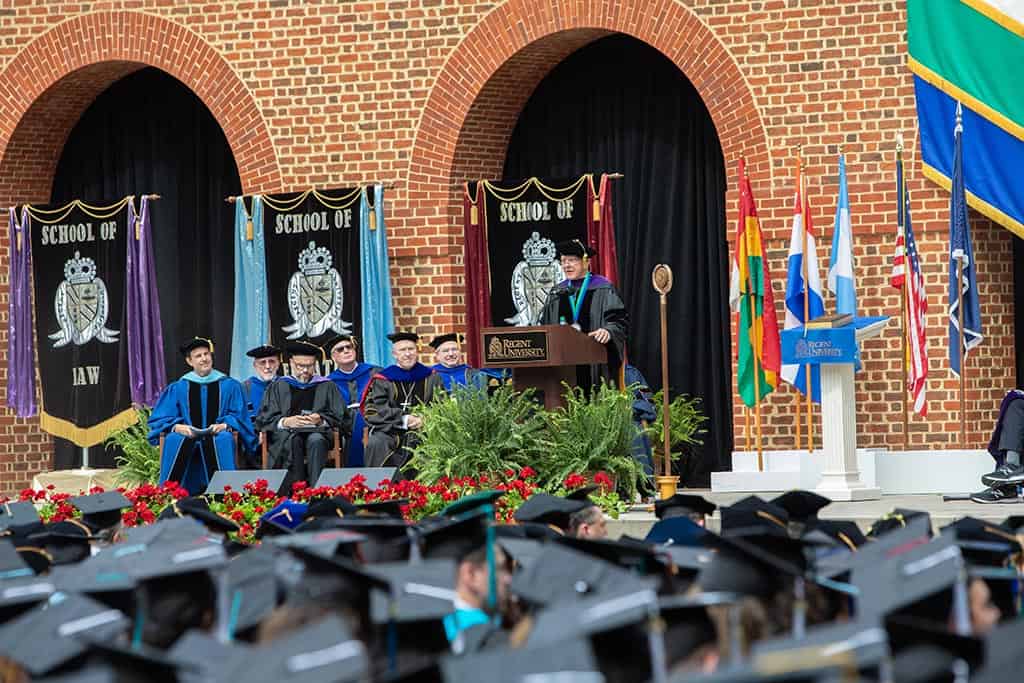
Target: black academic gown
283, 399
388, 444
602, 307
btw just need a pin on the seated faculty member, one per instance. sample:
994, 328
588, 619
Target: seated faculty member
298, 413
266, 361
590, 303
389, 399
195, 414
449, 365
351, 378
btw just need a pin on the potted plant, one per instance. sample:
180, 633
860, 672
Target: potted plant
686, 426
592, 434
138, 461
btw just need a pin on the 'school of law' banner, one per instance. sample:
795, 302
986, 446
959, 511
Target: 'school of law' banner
313, 265
524, 221
78, 274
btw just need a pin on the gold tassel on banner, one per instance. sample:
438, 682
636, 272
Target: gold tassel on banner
597, 209
373, 220
138, 228
474, 215
248, 229
19, 240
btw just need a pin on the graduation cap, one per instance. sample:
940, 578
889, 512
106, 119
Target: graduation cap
752, 515
570, 660
897, 519
131, 664
174, 558
213, 659
848, 534
924, 651
387, 539
455, 539
445, 338
50, 635
198, 508
252, 586
105, 572
20, 593
336, 506
524, 551
562, 573
168, 529
35, 555
322, 652
386, 508
301, 347
801, 506
682, 504
575, 248
860, 645
17, 515
540, 532
973, 529
1013, 523
326, 542
916, 532
264, 351
329, 346
424, 591
67, 542
11, 564
636, 556
396, 337
543, 508
583, 493
283, 518
688, 625
101, 510
472, 502
195, 343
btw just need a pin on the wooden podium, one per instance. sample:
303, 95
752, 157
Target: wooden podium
541, 357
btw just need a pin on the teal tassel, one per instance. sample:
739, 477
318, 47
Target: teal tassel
492, 576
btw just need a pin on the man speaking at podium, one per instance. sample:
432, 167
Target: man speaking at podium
590, 303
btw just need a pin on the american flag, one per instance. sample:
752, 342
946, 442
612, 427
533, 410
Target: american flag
913, 289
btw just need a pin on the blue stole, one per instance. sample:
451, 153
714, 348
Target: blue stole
414, 374
256, 388
458, 375
361, 375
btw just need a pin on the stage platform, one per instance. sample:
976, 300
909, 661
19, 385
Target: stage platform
637, 523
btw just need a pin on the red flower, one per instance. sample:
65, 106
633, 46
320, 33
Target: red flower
527, 473
604, 481
227, 487
147, 516
51, 486
238, 515
574, 481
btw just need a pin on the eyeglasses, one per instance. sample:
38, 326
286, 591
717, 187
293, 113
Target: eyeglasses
304, 366
343, 349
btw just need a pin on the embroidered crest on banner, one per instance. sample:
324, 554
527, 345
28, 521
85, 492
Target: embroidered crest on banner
315, 296
82, 305
533, 279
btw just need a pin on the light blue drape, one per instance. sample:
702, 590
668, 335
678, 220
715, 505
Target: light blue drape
251, 326
378, 318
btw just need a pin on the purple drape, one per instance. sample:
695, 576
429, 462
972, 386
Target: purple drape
21, 363
145, 340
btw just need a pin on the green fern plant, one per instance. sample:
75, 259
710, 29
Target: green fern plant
591, 434
686, 426
473, 433
138, 461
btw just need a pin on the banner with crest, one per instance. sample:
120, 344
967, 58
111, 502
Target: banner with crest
79, 260
312, 249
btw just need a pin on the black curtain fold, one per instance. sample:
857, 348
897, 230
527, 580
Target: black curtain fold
148, 133
620, 105
1018, 307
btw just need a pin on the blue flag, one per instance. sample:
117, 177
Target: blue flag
962, 290
378, 320
251, 326
840, 265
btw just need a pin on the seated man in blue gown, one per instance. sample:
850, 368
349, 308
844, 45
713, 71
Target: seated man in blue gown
449, 366
197, 415
351, 378
266, 361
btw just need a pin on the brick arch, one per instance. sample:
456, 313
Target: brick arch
477, 97
46, 87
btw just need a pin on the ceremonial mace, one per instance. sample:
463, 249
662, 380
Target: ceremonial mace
662, 279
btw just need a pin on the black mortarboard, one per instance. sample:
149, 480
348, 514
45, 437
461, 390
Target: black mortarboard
688, 624
67, 541
455, 539
335, 507
915, 532
683, 504
637, 556
301, 347
801, 505
174, 558
101, 510
907, 633
11, 564
195, 343
973, 529
403, 336
19, 593
857, 645
575, 248
213, 659
252, 584
326, 542
198, 508
562, 573
49, 635
568, 661
332, 577
731, 571
592, 614
322, 652
423, 591
34, 555
472, 502
845, 532
334, 341
445, 338
387, 538
104, 572
384, 508
896, 519
524, 551
582, 493
17, 514
543, 508
127, 664
265, 351
540, 532
164, 530
1013, 523
752, 515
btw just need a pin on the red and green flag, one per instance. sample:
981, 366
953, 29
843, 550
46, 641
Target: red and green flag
750, 296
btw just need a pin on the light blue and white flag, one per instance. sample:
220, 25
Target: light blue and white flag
251, 327
840, 266
378, 318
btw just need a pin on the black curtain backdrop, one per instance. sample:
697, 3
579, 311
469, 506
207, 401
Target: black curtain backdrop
148, 133
620, 105
1018, 306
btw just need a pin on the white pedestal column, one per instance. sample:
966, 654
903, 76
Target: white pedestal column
840, 478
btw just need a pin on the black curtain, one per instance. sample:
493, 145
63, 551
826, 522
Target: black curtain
148, 133
620, 105
1018, 306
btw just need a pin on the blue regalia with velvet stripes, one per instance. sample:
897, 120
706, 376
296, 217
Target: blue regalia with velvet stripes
199, 402
352, 385
460, 375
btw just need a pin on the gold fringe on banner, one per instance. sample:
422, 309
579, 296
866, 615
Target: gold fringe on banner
474, 215
597, 209
86, 437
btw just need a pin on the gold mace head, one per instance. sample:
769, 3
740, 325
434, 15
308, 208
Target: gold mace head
661, 276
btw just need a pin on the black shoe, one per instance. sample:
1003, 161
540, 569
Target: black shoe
1004, 494
1004, 474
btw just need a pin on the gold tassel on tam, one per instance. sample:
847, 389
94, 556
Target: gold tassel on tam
474, 215
597, 209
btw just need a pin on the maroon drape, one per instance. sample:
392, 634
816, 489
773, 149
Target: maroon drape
478, 295
601, 228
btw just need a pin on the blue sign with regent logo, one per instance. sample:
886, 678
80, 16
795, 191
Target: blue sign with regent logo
819, 347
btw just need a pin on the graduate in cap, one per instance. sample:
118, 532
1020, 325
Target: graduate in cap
590, 303
351, 378
196, 416
266, 361
389, 399
298, 413
449, 365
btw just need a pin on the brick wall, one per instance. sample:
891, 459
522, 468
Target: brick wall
423, 94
